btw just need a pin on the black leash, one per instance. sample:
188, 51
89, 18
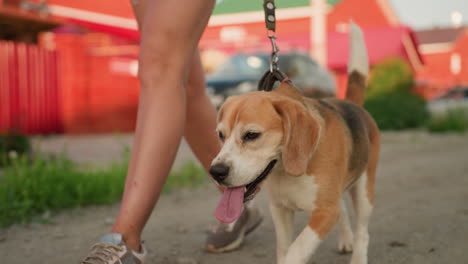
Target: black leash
274, 74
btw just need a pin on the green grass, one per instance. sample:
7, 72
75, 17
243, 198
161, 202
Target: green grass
455, 120
187, 176
397, 111
28, 189
13, 143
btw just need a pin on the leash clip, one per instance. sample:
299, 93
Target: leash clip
274, 75
274, 54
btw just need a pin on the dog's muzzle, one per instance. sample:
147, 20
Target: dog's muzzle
219, 172
251, 188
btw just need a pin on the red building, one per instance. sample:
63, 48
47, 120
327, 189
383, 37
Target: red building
74, 78
384, 34
445, 52
97, 73
29, 91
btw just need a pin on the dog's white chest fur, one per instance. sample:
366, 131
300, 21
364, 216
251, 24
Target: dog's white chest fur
295, 193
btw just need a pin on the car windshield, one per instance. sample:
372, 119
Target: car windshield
243, 65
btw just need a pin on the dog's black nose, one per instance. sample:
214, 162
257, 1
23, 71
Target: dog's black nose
219, 172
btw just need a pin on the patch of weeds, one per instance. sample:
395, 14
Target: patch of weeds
31, 188
13, 144
397, 111
188, 175
455, 120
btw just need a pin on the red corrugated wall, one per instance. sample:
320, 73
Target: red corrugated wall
95, 98
29, 94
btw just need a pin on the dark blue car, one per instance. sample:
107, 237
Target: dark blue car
241, 73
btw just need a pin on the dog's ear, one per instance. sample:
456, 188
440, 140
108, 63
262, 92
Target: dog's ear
286, 89
300, 135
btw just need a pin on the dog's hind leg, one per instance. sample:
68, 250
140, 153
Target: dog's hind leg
283, 220
363, 207
345, 234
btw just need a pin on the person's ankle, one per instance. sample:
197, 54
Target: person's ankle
133, 242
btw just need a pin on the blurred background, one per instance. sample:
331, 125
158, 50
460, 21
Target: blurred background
68, 66
69, 92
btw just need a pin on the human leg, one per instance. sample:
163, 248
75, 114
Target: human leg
200, 123
200, 126
168, 43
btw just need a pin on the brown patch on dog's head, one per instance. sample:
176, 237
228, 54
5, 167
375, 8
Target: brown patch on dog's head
285, 89
251, 133
300, 135
252, 108
288, 132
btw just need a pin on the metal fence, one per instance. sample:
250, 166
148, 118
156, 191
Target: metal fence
29, 92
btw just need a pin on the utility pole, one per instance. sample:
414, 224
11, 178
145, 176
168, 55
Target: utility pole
318, 31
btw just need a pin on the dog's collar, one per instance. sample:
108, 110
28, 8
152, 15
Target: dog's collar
251, 187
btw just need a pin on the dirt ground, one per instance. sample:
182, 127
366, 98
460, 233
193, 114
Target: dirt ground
421, 214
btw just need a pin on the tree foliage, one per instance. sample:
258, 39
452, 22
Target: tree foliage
392, 75
390, 99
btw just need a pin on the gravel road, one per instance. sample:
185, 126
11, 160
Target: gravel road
421, 215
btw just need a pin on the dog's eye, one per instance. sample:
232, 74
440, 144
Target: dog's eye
249, 136
220, 136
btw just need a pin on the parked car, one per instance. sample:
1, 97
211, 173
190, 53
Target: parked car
242, 72
456, 98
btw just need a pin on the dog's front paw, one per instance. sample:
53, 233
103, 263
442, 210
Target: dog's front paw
359, 258
345, 243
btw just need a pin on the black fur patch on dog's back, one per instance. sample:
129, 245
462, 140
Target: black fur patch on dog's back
325, 108
327, 105
353, 117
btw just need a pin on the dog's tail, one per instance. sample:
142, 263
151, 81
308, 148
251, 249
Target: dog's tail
358, 66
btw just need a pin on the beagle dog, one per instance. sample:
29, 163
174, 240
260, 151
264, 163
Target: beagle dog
309, 153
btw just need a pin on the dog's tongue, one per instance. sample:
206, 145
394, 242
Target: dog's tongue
231, 205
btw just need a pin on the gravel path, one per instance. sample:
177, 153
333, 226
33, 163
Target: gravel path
421, 215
